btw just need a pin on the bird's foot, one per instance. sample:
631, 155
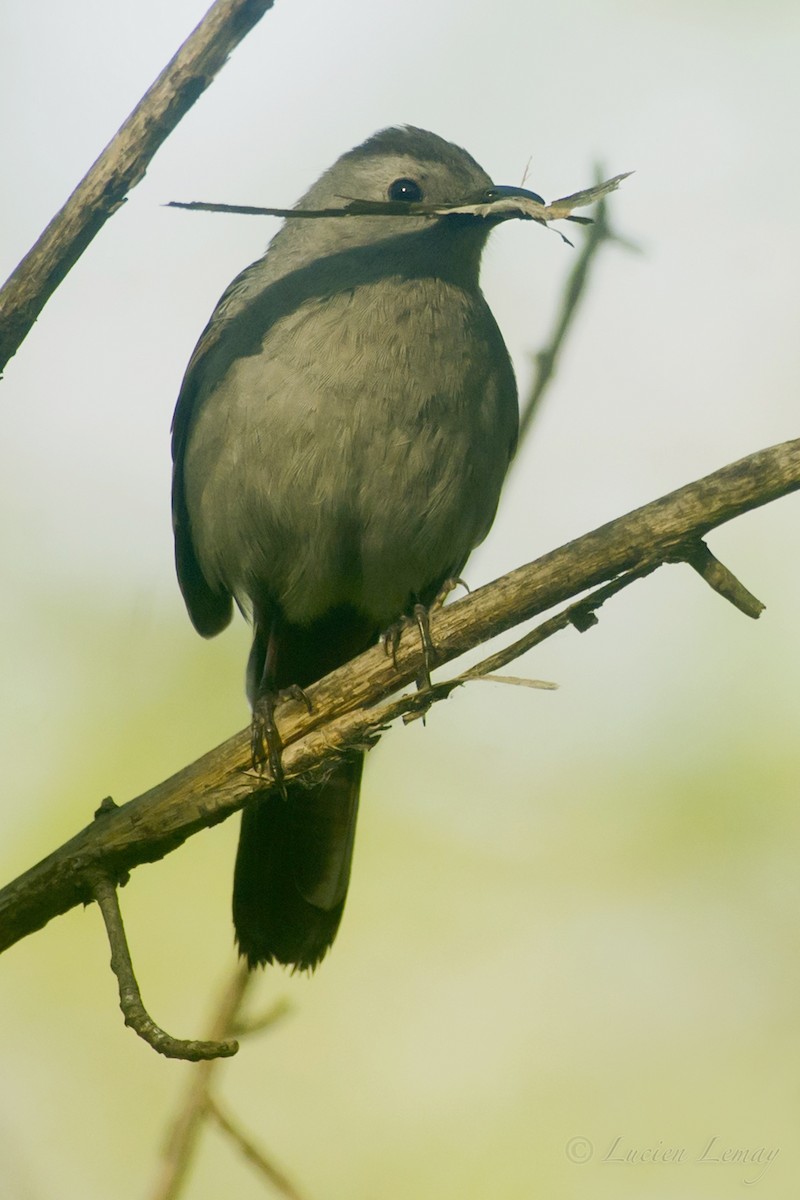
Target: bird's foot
445, 590
266, 745
420, 620
421, 617
390, 639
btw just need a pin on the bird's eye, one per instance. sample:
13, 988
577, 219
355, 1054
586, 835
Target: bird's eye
405, 189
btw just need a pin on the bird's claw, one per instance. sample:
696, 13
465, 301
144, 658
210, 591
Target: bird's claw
266, 745
450, 584
420, 619
422, 622
390, 639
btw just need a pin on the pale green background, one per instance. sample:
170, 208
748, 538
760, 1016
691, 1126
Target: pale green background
573, 914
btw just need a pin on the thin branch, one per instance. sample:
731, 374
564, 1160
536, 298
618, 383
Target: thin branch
252, 1152
722, 581
184, 1135
250, 1026
121, 166
349, 708
538, 685
582, 615
130, 999
502, 203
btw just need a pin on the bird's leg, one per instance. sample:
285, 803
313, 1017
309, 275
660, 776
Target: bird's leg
420, 616
450, 584
422, 621
390, 639
265, 739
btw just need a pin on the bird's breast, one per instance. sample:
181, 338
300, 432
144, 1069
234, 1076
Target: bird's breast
358, 456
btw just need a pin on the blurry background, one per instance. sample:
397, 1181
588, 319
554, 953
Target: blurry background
574, 916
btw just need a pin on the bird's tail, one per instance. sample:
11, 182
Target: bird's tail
293, 868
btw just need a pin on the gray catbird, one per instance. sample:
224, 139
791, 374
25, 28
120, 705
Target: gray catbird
340, 440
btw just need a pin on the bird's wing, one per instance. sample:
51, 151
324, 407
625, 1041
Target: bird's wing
210, 609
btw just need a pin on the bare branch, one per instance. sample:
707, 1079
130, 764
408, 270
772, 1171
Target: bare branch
252, 1152
185, 1132
505, 203
349, 708
121, 166
249, 1026
541, 685
722, 581
130, 999
582, 615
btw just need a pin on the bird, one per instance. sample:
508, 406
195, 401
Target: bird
340, 442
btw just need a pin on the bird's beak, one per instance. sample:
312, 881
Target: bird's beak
501, 203
498, 190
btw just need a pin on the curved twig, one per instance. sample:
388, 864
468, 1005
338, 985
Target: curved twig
130, 998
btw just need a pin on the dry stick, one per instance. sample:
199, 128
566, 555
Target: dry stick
718, 577
184, 1135
582, 615
348, 705
495, 203
121, 166
136, 1017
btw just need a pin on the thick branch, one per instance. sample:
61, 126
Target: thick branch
349, 706
121, 166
